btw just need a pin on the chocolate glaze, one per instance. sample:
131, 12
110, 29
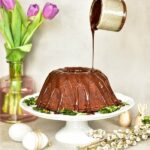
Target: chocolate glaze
95, 14
79, 89
94, 19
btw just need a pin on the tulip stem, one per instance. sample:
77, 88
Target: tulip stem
13, 97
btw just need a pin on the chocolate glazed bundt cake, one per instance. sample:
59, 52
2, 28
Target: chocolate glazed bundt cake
78, 89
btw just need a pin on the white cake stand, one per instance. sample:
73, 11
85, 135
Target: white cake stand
75, 130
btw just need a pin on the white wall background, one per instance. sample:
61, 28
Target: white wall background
66, 41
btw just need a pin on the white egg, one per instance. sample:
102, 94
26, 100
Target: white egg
35, 140
18, 131
125, 119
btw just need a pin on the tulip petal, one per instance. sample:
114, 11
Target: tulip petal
9, 4
50, 11
33, 10
1, 3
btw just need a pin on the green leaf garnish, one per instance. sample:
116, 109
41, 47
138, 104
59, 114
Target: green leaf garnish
109, 109
42, 110
112, 108
68, 112
30, 102
146, 120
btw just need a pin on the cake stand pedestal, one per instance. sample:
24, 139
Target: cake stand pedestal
74, 133
76, 128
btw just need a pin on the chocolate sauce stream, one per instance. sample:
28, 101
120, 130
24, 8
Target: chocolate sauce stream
93, 52
94, 19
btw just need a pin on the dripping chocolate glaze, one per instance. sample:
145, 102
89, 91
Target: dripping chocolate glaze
85, 91
94, 19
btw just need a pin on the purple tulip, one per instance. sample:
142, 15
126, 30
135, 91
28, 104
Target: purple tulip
9, 4
50, 11
33, 10
1, 3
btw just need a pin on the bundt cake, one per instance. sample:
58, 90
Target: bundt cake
77, 89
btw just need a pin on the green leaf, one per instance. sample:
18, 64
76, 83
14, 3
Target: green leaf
16, 27
22, 14
41, 110
32, 27
2, 30
1, 27
109, 109
7, 30
146, 120
18, 53
24, 19
23, 31
24, 48
30, 102
16, 56
1, 21
68, 112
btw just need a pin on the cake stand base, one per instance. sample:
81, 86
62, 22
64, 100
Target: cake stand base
74, 133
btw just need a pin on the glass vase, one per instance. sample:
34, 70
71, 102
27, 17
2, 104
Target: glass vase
12, 89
